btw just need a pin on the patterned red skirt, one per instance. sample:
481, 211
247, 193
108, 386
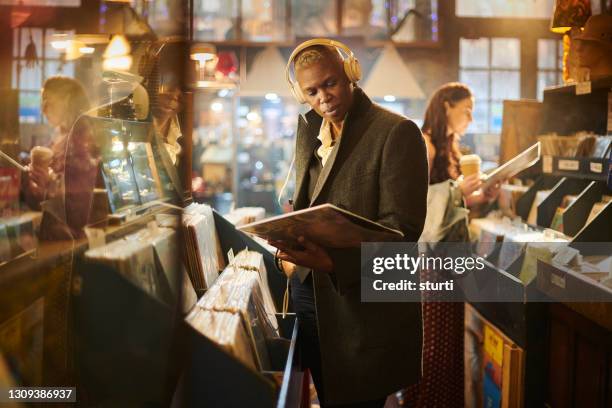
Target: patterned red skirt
442, 381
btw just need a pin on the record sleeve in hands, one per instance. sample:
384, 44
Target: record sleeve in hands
325, 225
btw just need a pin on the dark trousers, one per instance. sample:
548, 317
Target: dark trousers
302, 296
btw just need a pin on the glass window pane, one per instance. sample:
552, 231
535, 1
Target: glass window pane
497, 111
478, 81
378, 16
315, 18
505, 85
481, 117
506, 52
504, 8
560, 55
30, 77
15, 66
474, 53
545, 79
263, 20
31, 41
51, 52
29, 107
547, 53
214, 20
57, 68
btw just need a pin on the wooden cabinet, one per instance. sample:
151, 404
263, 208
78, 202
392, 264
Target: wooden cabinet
579, 360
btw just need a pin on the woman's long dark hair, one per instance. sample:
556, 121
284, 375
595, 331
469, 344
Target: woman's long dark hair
446, 160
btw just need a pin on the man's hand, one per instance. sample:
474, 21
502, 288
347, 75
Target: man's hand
310, 255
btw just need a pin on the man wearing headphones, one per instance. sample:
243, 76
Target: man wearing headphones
355, 154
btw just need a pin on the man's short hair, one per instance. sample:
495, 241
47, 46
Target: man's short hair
315, 54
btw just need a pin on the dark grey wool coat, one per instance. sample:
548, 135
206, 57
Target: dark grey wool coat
379, 171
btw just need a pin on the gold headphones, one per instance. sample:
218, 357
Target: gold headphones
352, 68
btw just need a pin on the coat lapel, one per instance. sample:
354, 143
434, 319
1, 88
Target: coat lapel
353, 128
306, 143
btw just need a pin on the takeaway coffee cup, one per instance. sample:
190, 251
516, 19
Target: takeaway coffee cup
470, 164
41, 157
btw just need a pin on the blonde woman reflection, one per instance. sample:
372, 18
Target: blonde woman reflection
67, 170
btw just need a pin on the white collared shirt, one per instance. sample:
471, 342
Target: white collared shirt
327, 141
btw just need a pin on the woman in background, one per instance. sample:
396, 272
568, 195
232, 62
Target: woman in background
70, 173
447, 117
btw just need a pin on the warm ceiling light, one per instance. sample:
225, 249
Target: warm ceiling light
203, 52
87, 50
123, 63
92, 38
118, 47
73, 50
59, 41
59, 45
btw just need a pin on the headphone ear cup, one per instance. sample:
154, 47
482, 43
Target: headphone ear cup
296, 91
352, 68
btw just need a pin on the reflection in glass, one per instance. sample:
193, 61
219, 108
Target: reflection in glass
315, 18
266, 127
213, 148
404, 21
29, 106
505, 8
355, 16
264, 20
215, 20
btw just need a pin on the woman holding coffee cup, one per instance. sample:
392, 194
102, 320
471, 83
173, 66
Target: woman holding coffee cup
68, 167
455, 182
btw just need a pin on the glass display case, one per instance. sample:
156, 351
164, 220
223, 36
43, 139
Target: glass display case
400, 21
244, 21
242, 150
214, 150
266, 128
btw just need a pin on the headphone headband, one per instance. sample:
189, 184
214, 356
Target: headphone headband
316, 41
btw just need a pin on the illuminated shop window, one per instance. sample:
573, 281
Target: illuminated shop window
260, 20
505, 8
550, 64
491, 68
29, 73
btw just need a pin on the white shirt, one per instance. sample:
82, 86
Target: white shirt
327, 141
